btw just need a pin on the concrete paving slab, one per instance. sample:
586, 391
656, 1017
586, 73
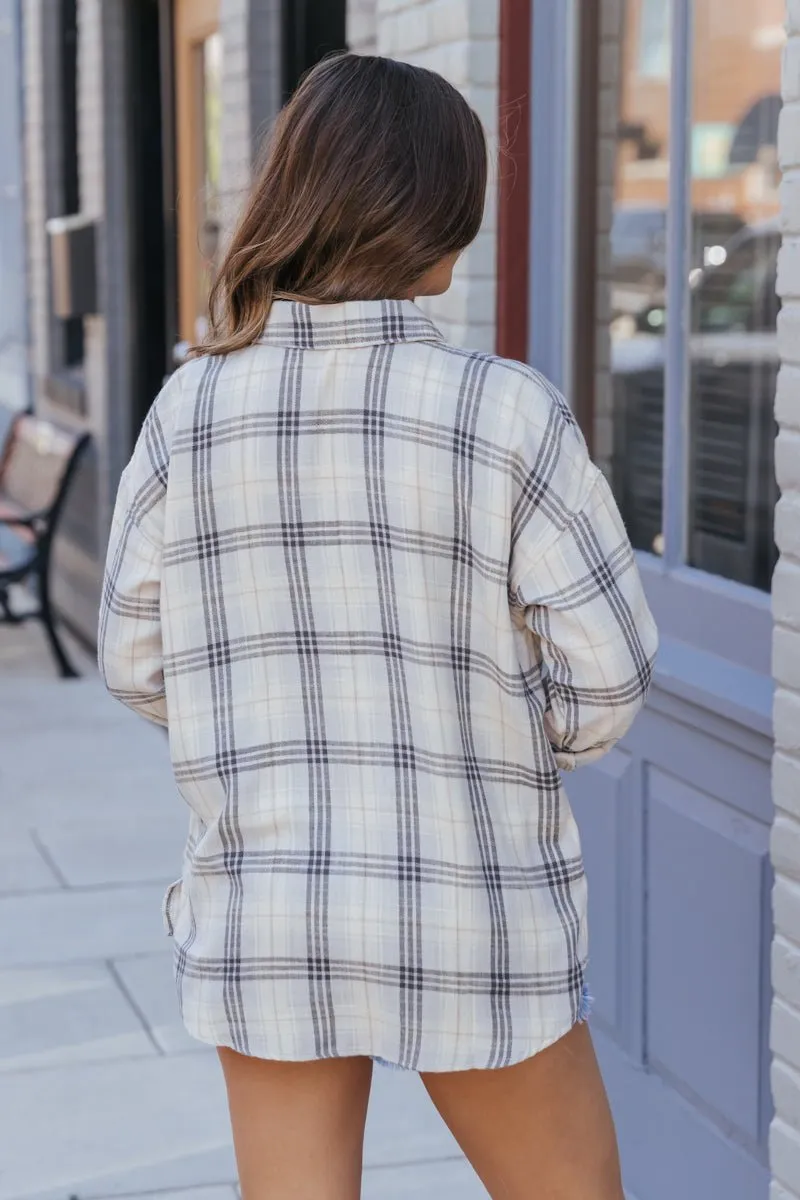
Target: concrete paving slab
23, 868
45, 928
117, 848
403, 1126
452, 1179
150, 982
54, 1015
24, 650
89, 973
114, 1128
203, 1193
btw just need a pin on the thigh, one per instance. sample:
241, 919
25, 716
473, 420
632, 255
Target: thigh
298, 1128
541, 1130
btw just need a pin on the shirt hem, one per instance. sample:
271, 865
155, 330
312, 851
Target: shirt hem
259, 1049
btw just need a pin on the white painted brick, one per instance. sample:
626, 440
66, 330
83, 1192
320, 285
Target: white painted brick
787, 399
785, 1139
789, 282
787, 524
413, 30
386, 7
787, 459
786, 788
459, 39
479, 337
786, 657
456, 20
471, 303
786, 1091
362, 25
484, 101
449, 21
786, 721
785, 833
790, 200
778, 1192
791, 70
786, 984
789, 136
387, 35
479, 260
463, 63
784, 1143
786, 593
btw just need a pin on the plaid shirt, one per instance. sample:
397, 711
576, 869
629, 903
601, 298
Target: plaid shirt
380, 595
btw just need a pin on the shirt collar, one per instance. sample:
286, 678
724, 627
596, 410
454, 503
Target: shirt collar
352, 323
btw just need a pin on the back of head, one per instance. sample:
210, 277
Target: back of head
375, 171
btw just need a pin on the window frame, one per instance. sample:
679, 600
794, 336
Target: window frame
555, 84
695, 606
722, 626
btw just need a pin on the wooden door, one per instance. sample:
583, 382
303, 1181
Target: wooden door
198, 63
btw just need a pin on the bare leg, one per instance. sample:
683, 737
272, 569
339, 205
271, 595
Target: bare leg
542, 1129
298, 1128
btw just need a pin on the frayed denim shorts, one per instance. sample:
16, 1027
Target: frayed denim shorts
587, 1000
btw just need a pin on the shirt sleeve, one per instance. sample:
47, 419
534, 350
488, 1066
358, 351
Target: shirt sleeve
575, 576
130, 653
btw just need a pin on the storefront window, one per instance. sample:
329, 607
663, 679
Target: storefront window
733, 345
639, 263
727, 365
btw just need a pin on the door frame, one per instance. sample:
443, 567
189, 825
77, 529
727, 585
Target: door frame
521, 194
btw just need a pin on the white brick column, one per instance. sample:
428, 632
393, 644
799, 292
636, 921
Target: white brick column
362, 26
251, 39
785, 1134
460, 40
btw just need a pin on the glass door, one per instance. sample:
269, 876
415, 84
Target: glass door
198, 55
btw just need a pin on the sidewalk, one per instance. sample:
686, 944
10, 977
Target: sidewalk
101, 1091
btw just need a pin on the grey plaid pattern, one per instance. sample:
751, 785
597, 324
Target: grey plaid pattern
380, 596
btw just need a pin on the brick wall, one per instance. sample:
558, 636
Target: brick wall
460, 39
251, 37
785, 1135
362, 26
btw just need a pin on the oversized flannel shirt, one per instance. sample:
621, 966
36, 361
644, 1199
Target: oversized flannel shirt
380, 597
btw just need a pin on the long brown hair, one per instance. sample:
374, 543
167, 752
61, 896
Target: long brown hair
375, 171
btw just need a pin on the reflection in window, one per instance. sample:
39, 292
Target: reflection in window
733, 348
654, 40
638, 265
732, 260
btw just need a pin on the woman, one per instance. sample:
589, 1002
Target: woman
380, 596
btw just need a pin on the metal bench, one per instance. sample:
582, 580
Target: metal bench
37, 464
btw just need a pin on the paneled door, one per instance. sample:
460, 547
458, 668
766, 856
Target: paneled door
198, 68
676, 821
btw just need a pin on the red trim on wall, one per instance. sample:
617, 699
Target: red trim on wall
514, 190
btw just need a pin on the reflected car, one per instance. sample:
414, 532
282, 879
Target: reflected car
733, 368
639, 248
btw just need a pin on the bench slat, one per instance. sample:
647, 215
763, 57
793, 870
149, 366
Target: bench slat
33, 464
